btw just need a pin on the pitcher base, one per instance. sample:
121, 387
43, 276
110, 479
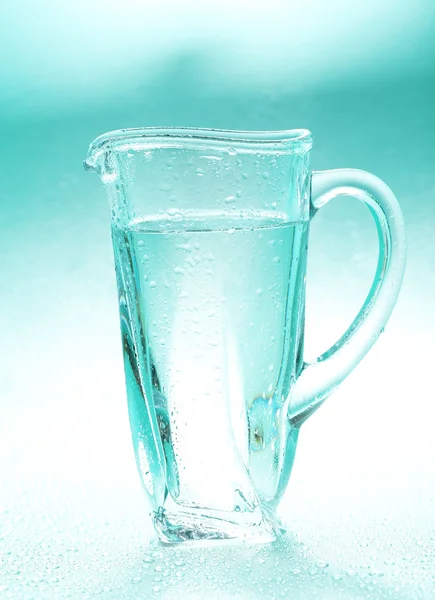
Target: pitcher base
186, 526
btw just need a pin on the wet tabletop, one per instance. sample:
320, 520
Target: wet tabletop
360, 506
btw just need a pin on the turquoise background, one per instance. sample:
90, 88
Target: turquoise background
361, 502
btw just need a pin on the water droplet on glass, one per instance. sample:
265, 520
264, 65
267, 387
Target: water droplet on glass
276, 259
230, 199
174, 212
200, 171
153, 284
265, 175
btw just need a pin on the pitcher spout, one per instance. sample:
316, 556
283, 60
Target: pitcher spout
94, 158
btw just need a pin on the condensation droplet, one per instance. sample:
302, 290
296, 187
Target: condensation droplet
322, 564
174, 212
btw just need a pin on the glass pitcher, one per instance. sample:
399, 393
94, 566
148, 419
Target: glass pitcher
210, 234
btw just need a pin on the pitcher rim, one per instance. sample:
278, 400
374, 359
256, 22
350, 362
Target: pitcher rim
288, 138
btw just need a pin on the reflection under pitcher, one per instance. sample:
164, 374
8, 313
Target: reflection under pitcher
210, 234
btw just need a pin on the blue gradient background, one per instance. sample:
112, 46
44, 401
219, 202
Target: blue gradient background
361, 502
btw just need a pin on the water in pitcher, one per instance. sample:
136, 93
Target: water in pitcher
212, 320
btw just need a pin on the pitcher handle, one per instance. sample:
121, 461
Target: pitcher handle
318, 379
